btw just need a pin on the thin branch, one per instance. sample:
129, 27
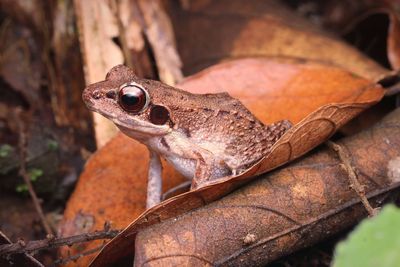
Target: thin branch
24, 174
79, 255
354, 183
393, 90
52, 242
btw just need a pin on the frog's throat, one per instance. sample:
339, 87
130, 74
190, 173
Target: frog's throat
143, 131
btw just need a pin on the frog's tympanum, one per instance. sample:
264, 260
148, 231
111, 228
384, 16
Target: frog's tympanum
204, 136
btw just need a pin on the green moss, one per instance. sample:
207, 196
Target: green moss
52, 145
21, 188
5, 150
34, 174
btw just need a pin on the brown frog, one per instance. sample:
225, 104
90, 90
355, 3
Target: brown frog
204, 136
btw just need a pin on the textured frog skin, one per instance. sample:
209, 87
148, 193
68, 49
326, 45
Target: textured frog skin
207, 136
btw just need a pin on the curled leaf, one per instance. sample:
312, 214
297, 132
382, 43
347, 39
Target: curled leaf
209, 32
350, 93
281, 212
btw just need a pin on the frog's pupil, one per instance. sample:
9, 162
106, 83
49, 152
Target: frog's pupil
130, 99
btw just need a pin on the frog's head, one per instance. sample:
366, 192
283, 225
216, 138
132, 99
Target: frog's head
133, 104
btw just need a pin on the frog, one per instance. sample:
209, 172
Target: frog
205, 137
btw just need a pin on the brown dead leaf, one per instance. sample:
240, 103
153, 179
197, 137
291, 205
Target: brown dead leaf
208, 32
343, 16
268, 86
281, 212
295, 81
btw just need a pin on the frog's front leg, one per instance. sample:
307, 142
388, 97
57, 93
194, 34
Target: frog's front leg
154, 182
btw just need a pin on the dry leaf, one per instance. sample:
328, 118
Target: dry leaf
268, 86
314, 128
281, 212
210, 31
344, 16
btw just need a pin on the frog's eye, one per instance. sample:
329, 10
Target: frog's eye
159, 115
133, 98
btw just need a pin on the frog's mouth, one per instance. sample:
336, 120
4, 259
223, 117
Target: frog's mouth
141, 130
135, 128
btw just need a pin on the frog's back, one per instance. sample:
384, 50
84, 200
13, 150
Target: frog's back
225, 127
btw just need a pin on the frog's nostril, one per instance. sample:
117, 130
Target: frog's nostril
96, 94
111, 94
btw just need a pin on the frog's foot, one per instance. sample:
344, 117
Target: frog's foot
154, 183
202, 173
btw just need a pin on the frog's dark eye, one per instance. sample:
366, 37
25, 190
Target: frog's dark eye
133, 98
159, 115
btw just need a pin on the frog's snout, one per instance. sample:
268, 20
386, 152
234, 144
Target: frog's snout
97, 94
90, 95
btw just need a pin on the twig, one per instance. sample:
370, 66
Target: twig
391, 83
354, 183
24, 174
393, 90
79, 255
52, 242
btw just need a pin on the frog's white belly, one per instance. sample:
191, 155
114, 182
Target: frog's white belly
183, 153
177, 151
186, 167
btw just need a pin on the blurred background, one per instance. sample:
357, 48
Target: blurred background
50, 50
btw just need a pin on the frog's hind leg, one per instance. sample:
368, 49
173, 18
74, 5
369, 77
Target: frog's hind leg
277, 129
179, 189
154, 182
208, 169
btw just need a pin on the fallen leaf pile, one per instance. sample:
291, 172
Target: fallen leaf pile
307, 133
280, 68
